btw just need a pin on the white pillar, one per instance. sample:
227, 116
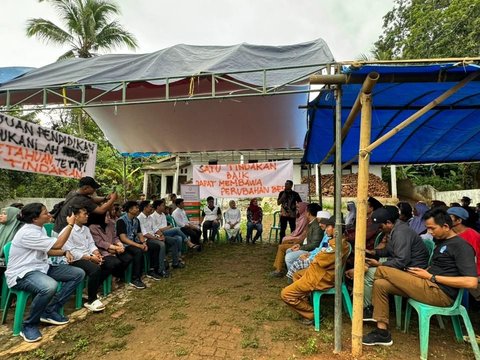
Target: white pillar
164, 185
317, 181
145, 183
241, 159
393, 176
175, 177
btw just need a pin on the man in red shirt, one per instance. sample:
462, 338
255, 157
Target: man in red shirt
459, 215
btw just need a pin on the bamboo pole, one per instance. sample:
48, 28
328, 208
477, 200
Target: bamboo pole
422, 111
361, 228
367, 87
338, 221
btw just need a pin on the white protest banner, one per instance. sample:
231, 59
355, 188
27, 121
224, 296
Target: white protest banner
242, 180
25, 146
302, 190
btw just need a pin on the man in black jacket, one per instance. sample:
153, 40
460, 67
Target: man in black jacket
405, 248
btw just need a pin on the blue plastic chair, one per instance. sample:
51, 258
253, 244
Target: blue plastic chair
317, 294
425, 312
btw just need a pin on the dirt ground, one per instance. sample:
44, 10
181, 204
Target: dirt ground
223, 305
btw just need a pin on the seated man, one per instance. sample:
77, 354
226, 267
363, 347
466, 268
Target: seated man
303, 262
160, 225
111, 248
188, 228
152, 236
211, 215
405, 248
452, 267
28, 270
85, 255
283, 248
130, 234
320, 275
314, 236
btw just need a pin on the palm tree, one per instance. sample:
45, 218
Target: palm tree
87, 28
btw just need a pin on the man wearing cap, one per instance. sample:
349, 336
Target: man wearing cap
459, 215
472, 215
314, 236
452, 268
83, 198
405, 248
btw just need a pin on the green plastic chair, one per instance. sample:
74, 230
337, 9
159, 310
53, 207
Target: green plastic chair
317, 294
425, 312
275, 227
107, 289
398, 299
48, 228
22, 298
171, 220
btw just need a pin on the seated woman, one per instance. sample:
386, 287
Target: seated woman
305, 259
298, 235
351, 217
254, 221
417, 223
9, 225
86, 256
232, 221
28, 270
111, 248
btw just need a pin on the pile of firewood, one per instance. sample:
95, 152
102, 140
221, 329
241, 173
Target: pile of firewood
376, 186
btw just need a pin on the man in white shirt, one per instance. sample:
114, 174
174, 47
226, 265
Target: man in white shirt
85, 255
187, 227
161, 226
146, 225
212, 216
28, 270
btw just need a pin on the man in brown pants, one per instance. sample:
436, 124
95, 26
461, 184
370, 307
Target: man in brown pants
320, 275
453, 267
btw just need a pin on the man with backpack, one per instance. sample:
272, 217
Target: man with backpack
82, 198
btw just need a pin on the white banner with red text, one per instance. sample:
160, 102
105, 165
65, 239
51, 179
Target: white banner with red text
26, 146
242, 180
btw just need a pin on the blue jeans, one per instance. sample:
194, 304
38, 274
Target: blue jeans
250, 227
179, 236
292, 256
44, 289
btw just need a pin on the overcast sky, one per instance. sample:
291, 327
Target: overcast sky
349, 27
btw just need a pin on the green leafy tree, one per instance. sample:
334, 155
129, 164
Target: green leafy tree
86, 30
430, 29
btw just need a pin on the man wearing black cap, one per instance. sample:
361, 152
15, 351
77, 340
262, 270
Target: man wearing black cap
404, 249
83, 198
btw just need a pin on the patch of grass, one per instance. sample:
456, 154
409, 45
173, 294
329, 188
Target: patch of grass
286, 334
213, 323
176, 315
181, 351
212, 307
249, 342
117, 345
271, 314
122, 330
326, 336
310, 347
220, 291
246, 297
248, 329
178, 331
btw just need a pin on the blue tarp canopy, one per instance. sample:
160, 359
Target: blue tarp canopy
12, 72
448, 133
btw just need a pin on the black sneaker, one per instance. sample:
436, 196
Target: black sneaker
378, 337
138, 284
180, 265
153, 275
305, 321
368, 314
